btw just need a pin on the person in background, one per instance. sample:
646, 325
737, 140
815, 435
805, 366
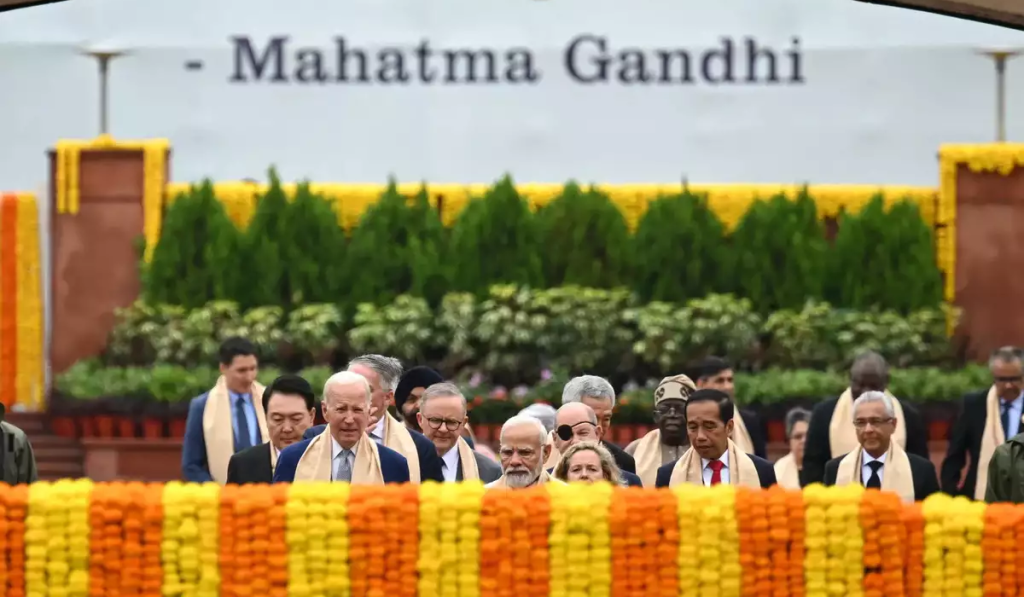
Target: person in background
410, 388
577, 423
878, 462
442, 416
987, 418
16, 456
545, 413
717, 374
713, 457
599, 395
667, 443
588, 462
787, 469
290, 405
524, 449
343, 452
227, 419
830, 434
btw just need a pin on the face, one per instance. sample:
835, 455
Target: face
585, 466
797, 439
442, 420
874, 427
522, 456
347, 412
602, 407
867, 382
722, 381
708, 435
670, 416
287, 419
379, 399
240, 373
1008, 379
578, 420
411, 407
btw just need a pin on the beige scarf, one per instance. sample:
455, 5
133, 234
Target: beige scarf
896, 474
544, 478
740, 435
841, 434
398, 438
991, 438
787, 474
317, 462
218, 431
648, 458
689, 469
470, 472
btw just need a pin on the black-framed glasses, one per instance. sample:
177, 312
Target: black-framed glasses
450, 424
671, 409
565, 432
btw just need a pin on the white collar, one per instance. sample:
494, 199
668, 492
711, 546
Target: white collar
378, 429
337, 449
724, 458
866, 458
451, 457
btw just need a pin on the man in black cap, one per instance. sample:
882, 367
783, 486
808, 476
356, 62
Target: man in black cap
409, 391
17, 462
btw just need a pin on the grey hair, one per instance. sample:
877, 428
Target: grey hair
388, 369
344, 378
869, 362
522, 420
442, 389
794, 416
588, 385
1006, 354
591, 415
882, 397
545, 413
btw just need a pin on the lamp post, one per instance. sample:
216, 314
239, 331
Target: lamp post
1000, 58
103, 58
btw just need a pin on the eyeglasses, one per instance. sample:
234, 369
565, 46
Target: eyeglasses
450, 424
565, 432
507, 452
862, 423
1009, 379
671, 409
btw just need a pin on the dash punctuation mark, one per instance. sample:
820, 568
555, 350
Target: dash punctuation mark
194, 65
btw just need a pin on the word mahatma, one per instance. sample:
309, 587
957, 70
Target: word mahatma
587, 59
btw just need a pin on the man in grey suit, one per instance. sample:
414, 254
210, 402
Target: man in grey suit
442, 417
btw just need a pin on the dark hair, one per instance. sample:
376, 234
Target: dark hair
711, 366
725, 407
794, 416
289, 384
235, 347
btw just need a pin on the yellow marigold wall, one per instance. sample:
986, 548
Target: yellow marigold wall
21, 303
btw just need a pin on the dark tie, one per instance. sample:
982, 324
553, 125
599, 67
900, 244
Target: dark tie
244, 439
1005, 418
874, 481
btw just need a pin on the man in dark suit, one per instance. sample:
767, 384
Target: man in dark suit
575, 422
713, 457
442, 416
289, 404
716, 373
987, 418
599, 395
879, 462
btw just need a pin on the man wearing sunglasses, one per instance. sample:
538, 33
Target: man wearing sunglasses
442, 416
576, 422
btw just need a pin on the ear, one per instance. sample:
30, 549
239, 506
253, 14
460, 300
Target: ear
545, 452
600, 432
389, 398
312, 414
729, 427
419, 419
223, 368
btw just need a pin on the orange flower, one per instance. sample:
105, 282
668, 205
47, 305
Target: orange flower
622, 536
152, 513
537, 514
913, 546
277, 552
14, 501
668, 550
797, 534
880, 518
779, 535
745, 521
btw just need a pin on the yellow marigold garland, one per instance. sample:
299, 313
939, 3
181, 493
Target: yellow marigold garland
430, 549
30, 381
57, 538
190, 539
469, 497
317, 540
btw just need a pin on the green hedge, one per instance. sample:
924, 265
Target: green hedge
513, 333
777, 257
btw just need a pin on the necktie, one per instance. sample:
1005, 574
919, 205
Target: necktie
874, 481
244, 439
1005, 418
343, 468
716, 467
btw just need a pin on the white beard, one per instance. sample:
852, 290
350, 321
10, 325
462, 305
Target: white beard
520, 479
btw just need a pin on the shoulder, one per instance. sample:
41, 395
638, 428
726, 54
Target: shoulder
13, 431
485, 463
313, 431
199, 402
253, 453
834, 463
391, 457
631, 479
920, 462
976, 397
292, 453
825, 406
664, 475
765, 469
421, 441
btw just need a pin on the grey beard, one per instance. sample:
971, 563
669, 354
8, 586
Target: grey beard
521, 479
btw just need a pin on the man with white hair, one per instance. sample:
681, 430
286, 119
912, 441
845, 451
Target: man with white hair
342, 451
599, 395
524, 449
879, 462
383, 374
576, 423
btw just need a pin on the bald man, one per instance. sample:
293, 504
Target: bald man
576, 422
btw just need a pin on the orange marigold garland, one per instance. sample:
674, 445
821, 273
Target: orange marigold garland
645, 537
131, 498
794, 501
277, 530
538, 513
880, 515
623, 537
365, 520
498, 546
404, 545
233, 564
14, 502
745, 520
152, 507
779, 536
668, 550
913, 542
998, 544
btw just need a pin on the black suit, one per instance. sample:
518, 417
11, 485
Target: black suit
430, 462
624, 461
818, 449
965, 439
757, 436
251, 465
488, 470
922, 470
765, 472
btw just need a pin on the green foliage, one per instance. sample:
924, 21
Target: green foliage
495, 240
313, 250
779, 246
584, 240
403, 329
196, 258
263, 252
680, 250
884, 259
396, 249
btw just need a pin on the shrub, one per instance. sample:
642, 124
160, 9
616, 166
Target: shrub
680, 250
314, 249
402, 329
265, 281
585, 240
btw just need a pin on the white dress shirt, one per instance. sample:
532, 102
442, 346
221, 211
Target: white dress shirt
377, 432
865, 470
707, 472
336, 451
450, 464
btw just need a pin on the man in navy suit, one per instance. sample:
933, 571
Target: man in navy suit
343, 452
576, 422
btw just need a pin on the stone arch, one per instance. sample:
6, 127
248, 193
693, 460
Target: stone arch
1008, 13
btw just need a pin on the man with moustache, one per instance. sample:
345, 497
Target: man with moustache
410, 389
524, 449
716, 373
442, 415
575, 423
289, 404
668, 442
